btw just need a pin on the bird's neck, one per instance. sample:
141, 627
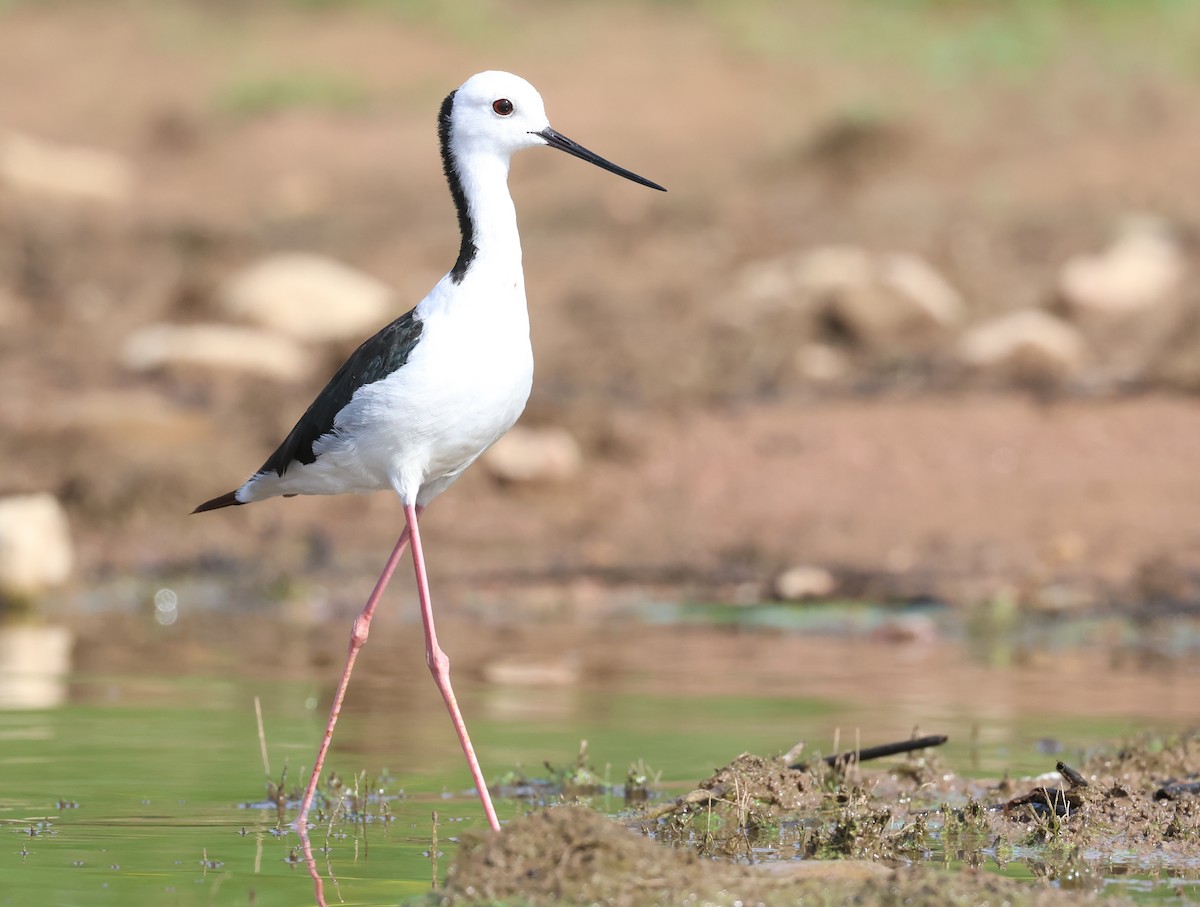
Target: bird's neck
486, 217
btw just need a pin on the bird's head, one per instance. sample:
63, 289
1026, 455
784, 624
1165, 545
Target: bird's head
499, 113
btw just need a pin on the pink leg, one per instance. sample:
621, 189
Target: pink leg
358, 636
311, 863
439, 666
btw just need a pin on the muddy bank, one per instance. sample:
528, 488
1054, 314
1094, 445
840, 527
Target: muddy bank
758, 831
571, 855
968, 500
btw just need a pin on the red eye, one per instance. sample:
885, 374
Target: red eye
503, 106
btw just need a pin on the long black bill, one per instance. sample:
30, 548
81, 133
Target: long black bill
562, 143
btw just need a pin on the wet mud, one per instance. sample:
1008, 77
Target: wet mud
911, 832
574, 855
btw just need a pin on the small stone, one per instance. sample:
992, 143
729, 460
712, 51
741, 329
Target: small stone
1029, 344
308, 297
833, 269
1127, 300
534, 455
804, 583
35, 545
219, 347
821, 363
765, 284
1141, 269
932, 297
880, 300
128, 417
38, 167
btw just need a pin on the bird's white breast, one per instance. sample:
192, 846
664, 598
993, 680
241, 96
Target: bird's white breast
464, 385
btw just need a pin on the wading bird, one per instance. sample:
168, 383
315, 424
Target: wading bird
417, 404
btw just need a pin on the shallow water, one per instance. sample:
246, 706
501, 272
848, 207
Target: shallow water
133, 776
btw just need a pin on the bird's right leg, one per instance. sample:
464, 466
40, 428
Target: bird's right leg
439, 666
358, 636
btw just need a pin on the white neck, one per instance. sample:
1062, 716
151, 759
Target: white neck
493, 218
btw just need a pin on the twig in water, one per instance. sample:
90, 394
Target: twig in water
878, 752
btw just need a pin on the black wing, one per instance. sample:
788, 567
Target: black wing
377, 358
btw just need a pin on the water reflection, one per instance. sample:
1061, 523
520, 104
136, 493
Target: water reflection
34, 661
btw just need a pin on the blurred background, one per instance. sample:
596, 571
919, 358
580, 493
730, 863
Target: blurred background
919, 310
907, 356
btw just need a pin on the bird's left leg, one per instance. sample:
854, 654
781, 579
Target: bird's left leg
439, 666
358, 636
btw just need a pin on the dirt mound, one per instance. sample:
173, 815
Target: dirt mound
760, 832
572, 855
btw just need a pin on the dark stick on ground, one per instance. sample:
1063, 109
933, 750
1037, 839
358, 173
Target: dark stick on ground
877, 752
1073, 777
1042, 800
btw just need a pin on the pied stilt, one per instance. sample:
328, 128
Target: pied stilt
417, 403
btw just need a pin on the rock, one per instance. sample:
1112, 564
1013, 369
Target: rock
880, 300
764, 284
130, 416
1142, 269
1028, 345
1128, 299
308, 297
805, 582
929, 293
827, 270
219, 347
821, 363
534, 455
35, 545
38, 167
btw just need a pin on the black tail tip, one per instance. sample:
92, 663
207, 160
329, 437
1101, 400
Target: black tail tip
225, 500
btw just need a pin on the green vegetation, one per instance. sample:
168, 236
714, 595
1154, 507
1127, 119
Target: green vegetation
946, 40
952, 41
263, 95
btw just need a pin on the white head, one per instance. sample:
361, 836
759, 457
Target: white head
497, 113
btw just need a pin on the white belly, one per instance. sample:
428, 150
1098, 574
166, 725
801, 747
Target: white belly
464, 385
459, 392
